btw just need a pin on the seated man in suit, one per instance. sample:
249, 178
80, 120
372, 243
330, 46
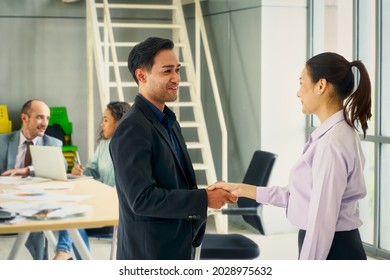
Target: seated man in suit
15, 157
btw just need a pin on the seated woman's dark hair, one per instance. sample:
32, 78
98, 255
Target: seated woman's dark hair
118, 109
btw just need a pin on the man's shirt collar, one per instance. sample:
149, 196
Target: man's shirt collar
167, 118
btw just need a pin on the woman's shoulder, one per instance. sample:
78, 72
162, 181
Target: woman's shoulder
343, 132
103, 144
344, 139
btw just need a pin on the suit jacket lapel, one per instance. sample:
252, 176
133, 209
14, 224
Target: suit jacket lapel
161, 130
41, 141
186, 156
152, 118
13, 150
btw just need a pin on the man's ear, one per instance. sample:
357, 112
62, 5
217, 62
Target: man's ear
23, 116
141, 75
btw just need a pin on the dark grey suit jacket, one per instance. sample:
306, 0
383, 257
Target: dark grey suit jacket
162, 214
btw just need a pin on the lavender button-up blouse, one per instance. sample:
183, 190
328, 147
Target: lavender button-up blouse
324, 187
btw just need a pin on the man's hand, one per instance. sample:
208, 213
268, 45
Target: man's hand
219, 197
17, 171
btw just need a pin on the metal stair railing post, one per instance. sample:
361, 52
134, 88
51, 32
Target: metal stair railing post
201, 36
94, 51
213, 80
93, 32
195, 95
200, 31
107, 21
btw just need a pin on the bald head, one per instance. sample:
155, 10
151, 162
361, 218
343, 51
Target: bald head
35, 116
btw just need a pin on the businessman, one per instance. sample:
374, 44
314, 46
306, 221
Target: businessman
16, 160
162, 213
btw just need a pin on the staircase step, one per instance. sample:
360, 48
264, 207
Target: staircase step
199, 166
132, 44
195, 145
124, 64
142, 25
134, 84
137, 6
189, 124
181, 104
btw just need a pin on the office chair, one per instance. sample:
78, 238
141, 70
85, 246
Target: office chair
61, 128
237, 246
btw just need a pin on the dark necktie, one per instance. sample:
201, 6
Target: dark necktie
27, 157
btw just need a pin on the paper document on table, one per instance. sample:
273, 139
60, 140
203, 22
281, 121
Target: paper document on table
44, 210
22, 195
41, 196
47, 186
58, 212
28, 206
19, 180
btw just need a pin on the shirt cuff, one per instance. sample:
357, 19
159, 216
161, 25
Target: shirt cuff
31, 170
262, 194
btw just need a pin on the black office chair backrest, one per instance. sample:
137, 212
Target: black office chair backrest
56, 131
257, 174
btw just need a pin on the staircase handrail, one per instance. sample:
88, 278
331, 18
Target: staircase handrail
200, 28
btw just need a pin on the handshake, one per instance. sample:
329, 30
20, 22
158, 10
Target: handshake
220, 193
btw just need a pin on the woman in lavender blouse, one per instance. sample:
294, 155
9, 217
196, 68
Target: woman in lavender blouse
327, 182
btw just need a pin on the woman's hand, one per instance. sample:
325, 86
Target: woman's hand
78, 170
238, 189
230, 187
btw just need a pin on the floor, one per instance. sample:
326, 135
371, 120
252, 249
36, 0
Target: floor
273, 247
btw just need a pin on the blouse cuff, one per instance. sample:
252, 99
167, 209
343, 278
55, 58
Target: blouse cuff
262, 194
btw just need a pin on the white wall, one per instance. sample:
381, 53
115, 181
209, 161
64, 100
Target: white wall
282, 126
259, 49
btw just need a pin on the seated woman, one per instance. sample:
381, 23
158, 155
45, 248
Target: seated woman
100, 167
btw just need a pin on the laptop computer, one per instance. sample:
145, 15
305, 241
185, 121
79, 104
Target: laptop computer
49, 162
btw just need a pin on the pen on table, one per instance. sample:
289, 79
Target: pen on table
44, 212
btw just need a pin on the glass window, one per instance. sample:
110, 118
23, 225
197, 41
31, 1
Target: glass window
366, 52
385, 68
370, 27
384, 222
366, 46
333, 27
384, 82
367, 205
332, 30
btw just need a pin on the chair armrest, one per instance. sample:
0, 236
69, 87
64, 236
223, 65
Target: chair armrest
248, 211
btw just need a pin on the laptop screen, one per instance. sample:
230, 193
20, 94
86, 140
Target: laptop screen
48, 162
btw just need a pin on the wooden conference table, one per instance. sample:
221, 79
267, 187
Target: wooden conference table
104, 212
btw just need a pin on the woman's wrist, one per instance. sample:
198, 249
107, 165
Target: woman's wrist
248, 191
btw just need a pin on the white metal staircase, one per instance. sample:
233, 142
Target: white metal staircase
113, 28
